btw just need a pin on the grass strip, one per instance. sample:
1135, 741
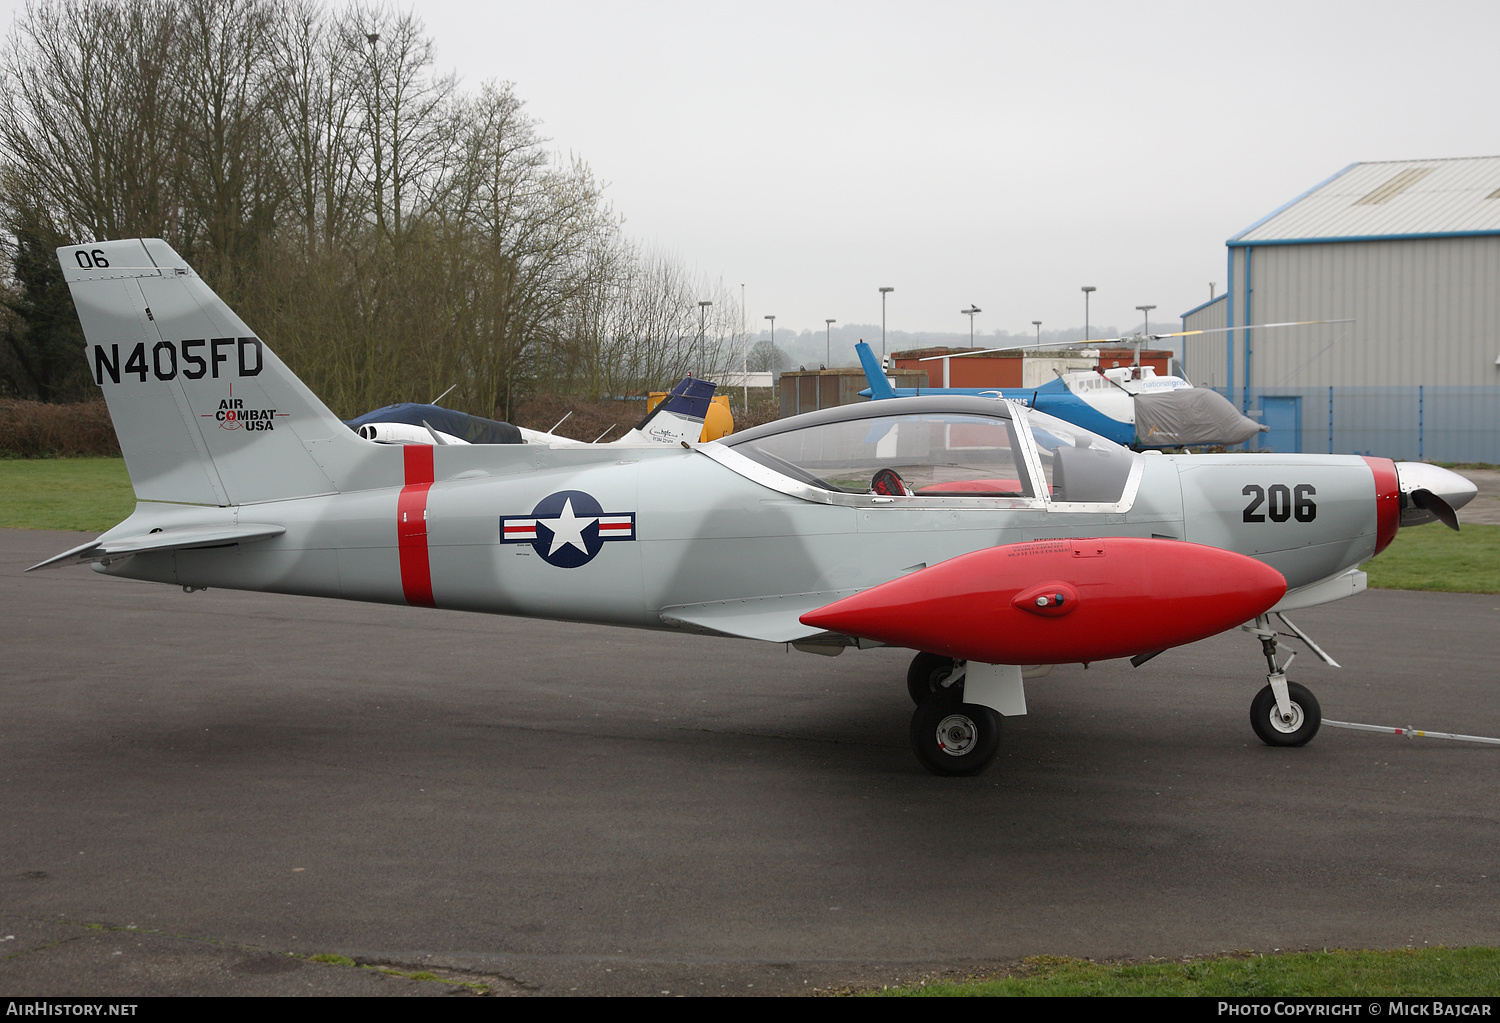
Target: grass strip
1434, 557
84, 494
1428, 972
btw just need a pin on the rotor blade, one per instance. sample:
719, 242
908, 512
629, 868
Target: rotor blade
1250, 326
1428, 501
1132, 338
1018, 348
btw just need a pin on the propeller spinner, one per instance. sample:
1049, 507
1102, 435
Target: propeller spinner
1430, 493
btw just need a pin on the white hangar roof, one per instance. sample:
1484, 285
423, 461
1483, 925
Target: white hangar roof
1388, 200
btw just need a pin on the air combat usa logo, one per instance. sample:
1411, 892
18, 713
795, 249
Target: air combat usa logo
568, 528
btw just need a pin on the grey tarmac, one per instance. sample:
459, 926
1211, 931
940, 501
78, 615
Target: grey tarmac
198, 789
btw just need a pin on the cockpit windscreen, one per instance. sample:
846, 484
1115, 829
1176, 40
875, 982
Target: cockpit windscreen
934, 454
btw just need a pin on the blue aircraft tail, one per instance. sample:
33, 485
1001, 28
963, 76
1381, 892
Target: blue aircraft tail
880, 384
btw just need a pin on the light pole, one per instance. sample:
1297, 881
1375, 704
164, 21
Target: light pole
1087, 289
883, 292
969, 312
828, 342
1038, 325
1146, 312
771, 359
702, 341
745, 353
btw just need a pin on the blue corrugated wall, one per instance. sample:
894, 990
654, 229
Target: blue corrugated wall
1435, 424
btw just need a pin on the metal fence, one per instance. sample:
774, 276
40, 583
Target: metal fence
1435, 424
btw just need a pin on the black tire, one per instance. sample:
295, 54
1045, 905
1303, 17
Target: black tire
951, 737
926, 676
1307, 716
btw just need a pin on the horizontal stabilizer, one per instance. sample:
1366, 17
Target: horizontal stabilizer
161, 540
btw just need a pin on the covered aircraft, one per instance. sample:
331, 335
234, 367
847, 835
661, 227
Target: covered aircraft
984, 535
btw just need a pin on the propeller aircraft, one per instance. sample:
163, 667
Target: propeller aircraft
984, 535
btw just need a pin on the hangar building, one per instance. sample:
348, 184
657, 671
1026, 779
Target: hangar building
1410, 251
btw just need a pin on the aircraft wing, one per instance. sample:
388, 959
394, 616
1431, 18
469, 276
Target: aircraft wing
161, 540
773, 619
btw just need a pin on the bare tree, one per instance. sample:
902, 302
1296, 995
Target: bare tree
86, 116
391, 234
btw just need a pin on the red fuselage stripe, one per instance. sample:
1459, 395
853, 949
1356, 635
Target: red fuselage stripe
411, 525
1387, 501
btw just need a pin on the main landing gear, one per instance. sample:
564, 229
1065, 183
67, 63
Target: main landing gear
949, 734
1284, 713
952, 737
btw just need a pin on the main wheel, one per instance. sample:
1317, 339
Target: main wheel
953, 737
1303, 724
926, 676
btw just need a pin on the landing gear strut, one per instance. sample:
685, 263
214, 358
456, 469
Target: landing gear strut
1284, 713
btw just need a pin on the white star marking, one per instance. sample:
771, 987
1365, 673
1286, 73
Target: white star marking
567, 529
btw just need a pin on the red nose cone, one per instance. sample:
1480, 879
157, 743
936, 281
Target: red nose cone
1060, 601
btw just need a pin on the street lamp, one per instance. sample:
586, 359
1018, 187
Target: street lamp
772, 356
1087, 289
745, 352
1146, 312
1038, 325
883, 292
702, 313
828, 342
969, 312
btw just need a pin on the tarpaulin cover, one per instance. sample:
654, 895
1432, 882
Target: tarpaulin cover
1190, 415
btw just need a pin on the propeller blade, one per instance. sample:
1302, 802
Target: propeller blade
1428, 501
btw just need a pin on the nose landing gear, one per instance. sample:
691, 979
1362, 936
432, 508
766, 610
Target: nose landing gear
1284, 713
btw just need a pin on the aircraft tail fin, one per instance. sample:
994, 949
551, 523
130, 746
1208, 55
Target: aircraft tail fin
205, 411
880, 384
678, 418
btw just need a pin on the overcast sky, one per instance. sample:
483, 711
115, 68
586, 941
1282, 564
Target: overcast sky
1001, 154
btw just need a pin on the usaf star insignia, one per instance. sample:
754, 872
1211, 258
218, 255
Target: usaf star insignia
568, 529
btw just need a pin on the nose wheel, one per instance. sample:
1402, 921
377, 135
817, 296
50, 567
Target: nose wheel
1294, 727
